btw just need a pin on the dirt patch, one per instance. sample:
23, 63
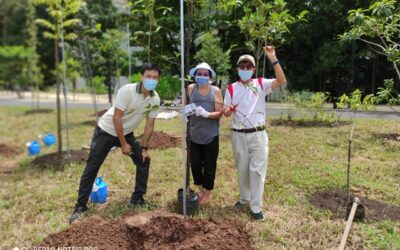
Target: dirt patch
307, 123
7, 151
152, 230
162, 140
336, 202
53, 161
38, 111
7, 166
389, 136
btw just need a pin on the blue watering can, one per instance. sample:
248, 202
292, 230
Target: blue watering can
49, 139
33, 148
99, 191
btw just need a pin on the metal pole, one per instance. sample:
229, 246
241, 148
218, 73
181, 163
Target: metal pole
184, 152
64, 68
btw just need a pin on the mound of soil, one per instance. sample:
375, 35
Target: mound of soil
336, 202
53, 161
7, 151
38, 111
162, 140
152, 230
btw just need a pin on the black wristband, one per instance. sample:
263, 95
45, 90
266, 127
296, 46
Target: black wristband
145, 148
275, 63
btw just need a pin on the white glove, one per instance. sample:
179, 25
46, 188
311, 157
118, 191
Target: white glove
200, 111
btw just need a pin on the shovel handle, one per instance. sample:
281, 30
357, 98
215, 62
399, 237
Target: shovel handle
348, 224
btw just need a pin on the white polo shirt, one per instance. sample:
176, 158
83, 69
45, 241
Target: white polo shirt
136, 108
250, 101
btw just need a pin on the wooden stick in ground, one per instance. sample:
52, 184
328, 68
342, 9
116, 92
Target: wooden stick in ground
349, 223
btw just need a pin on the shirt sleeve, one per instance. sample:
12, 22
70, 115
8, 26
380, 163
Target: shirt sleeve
267, 85
122, 99
227, 98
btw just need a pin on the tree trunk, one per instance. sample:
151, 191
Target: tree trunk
59, 138
188, 34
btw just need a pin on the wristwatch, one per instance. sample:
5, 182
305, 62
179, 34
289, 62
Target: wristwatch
275, 63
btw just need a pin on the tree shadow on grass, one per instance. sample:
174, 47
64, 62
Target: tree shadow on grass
307, 123
38, 111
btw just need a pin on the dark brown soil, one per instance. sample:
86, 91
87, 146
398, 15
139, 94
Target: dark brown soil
336, 202
162, 140
38, 111
306, 123
53, 161
7, 151
152, 230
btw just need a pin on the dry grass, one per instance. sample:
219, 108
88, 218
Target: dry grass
37, 202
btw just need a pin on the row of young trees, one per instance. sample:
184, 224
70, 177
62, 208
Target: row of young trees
323, 46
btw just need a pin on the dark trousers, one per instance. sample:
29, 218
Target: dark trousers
203, 158
101, 144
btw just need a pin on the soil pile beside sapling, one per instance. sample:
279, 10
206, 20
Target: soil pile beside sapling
152, 230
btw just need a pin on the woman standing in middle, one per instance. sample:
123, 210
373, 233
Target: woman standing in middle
204, 129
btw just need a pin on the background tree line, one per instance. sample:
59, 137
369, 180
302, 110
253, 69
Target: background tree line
314, 40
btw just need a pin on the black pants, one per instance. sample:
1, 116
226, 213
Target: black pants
203, 158
101, 144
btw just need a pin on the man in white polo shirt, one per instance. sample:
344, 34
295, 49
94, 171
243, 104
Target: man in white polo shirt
133, 104
245, 99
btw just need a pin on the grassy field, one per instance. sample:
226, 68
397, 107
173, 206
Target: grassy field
36, 202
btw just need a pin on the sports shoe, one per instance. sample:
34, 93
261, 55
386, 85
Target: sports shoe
258, 216
140, 202
240, 205
78, 212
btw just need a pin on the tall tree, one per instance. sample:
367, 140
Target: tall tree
60, 12
378, 26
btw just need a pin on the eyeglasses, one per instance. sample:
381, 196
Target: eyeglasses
246, 67
202, 74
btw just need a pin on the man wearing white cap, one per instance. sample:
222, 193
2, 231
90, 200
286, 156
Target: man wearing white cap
245, 99
204, 129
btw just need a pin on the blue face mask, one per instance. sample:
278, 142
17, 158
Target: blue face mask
201, 80
245, 75
149, 84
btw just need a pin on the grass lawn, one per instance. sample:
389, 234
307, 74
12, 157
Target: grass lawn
36, 202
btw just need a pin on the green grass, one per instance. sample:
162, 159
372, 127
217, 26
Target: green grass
36, 202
